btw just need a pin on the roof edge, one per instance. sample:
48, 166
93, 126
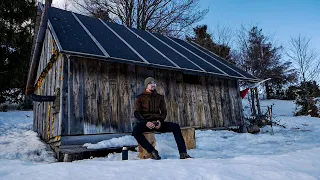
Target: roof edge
37, 47
186, 71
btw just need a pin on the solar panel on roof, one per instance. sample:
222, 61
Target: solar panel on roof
239, 70
171, 54
139, 45
226, 66
86, 36
71, 35
217, 63
202, 63
109, 41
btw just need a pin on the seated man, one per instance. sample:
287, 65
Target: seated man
150, 111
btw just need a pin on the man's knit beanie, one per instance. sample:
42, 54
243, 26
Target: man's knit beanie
147, 81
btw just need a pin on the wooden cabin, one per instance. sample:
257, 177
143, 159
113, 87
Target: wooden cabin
89, 72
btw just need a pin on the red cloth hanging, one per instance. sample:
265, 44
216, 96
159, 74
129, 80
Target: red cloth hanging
244, 92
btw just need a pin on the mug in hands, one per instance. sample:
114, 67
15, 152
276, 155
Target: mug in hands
156, 123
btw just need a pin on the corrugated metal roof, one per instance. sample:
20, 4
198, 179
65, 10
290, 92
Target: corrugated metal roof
92, 37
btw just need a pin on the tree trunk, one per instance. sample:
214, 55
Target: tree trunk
267, 90
189, 137
257, 99
253, 108
307, 96
143, 154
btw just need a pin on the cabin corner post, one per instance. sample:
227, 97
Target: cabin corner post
35, 116
71, 117
242, 126
63, 119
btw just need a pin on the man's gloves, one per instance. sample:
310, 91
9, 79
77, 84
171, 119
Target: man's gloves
154, 124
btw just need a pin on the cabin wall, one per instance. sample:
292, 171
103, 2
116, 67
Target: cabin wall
212, 102
103, 94
46, 116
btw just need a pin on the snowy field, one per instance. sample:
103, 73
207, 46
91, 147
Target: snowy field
292, 153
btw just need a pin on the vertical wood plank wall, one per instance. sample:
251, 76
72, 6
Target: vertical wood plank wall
46, 121
104, 95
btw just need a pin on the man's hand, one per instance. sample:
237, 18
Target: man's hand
159, 125
150, 125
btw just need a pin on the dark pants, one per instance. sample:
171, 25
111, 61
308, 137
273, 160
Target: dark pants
139, 129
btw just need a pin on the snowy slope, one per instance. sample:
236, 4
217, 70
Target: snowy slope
18, 141
280, 107
292, 153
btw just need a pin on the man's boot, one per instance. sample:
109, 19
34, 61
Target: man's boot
184, 156
155, 155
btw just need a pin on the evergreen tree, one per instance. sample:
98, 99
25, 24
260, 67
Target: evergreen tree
16, 31
204, 39
264, 60
305, 100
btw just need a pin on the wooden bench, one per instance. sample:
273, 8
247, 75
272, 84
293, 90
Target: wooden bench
188, 134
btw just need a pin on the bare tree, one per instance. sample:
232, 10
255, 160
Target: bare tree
307, 60
223, 35
63, 4
169, 17
305, 57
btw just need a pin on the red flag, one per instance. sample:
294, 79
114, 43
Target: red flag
244, 92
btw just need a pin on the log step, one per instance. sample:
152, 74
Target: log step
188, 134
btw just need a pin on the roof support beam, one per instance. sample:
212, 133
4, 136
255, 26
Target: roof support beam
38, 46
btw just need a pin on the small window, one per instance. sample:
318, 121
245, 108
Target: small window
191, 79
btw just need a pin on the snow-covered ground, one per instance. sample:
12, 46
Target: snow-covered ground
292, 153
18, 141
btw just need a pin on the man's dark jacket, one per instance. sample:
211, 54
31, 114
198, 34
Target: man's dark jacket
150, 106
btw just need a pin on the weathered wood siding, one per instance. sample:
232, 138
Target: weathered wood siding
46, 121
98, 97
214, 102
103, 95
